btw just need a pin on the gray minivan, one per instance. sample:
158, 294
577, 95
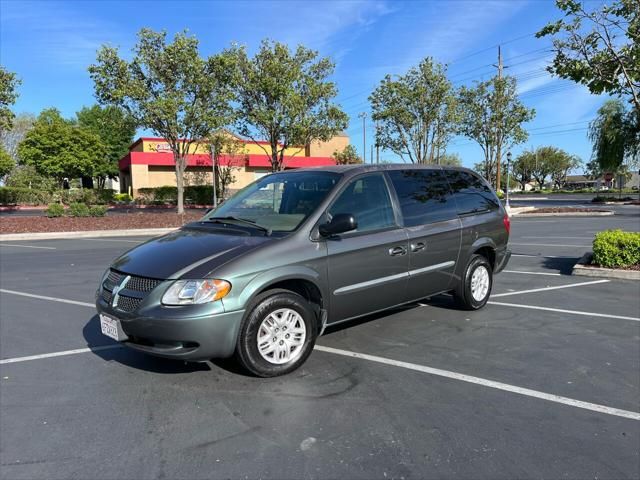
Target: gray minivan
262, 275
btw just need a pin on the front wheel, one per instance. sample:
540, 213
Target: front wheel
277, 335
475, 285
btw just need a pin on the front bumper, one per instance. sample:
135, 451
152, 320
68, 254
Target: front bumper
193, 333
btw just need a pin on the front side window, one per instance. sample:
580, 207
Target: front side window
279, 202
367, 199
472, 195
424, 195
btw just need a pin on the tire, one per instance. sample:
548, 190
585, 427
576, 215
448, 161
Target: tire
283, 350
474, 297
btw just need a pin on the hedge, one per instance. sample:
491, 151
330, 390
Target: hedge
30, 196
24, 196
193, 195
615, 248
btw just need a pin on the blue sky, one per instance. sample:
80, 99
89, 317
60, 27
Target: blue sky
50, 44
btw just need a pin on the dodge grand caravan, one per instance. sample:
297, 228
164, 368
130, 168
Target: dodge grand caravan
261, 276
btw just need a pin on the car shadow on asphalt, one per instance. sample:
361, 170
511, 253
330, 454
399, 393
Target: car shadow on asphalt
563, 266
132, 358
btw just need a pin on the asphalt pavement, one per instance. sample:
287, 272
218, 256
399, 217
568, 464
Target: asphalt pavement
541, 383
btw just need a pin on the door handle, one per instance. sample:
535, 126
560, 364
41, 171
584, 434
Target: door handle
416, 247
395, 251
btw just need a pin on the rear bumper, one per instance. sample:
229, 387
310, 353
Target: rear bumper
502, 258
183, 337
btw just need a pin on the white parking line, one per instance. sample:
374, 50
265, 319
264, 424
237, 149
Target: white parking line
565, 238
25, 246
58, 354
532, 273
544, 256
533, 290
110, 240
549, 245
560, 310
486, 383
51, 299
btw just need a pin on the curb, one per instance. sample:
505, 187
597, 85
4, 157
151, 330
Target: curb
569, 214
583, 268
12, 237
513, 211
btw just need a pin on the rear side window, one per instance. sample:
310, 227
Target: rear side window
472, 195
367, 199
425, 196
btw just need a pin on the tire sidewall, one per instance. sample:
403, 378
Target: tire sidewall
468, 300
247, 345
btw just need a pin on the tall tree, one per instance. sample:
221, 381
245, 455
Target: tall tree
451, 159
116, 130
598, 48
523, 166
8, 94
548, 161
561, 164
169, 89
11, 138
614, 138
58, 148
6, 163
416, 112
492, 115
228, 154
348, 155
286, 97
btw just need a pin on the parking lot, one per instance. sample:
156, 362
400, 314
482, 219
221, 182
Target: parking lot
544, 382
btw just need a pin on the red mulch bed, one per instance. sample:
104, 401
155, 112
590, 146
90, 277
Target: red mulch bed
110, 222
564, 210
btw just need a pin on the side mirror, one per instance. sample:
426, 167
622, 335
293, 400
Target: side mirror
340, 223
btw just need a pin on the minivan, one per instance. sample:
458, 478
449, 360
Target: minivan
262, 275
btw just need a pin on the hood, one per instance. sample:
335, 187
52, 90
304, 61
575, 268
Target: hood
190, 252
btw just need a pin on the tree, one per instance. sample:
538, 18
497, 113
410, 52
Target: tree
58, 148
116, 130
614, 137
561, 163
26, 176
11, 138
416, 112
523, 167
451, 159
8, 94
6, 163
228, 154
599, 48
349, 155
286, 98
492, 115
550, 161
169, 89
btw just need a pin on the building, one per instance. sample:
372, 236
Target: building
150, 162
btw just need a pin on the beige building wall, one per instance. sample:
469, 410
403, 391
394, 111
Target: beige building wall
326, 149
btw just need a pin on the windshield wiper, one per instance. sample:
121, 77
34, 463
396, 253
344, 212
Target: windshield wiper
242, 221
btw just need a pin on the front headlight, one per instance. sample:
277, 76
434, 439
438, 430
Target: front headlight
189, 292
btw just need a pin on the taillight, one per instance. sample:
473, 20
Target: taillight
507, 223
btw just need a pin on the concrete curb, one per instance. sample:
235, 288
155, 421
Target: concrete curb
569, 214
583, 268
13, 237
513, 211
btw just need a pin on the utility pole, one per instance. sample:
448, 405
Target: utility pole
363, 116
377, 144
499, 105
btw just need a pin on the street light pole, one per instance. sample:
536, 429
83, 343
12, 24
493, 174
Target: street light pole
363, 116
508, 178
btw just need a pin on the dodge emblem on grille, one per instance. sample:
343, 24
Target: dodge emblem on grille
116, 290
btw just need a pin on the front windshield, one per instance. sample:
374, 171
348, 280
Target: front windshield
279, 202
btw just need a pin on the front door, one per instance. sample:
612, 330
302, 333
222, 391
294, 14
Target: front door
367, 267
433, 228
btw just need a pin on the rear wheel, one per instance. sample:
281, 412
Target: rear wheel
475, 285
277, 334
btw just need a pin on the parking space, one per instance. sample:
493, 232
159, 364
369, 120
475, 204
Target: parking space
543, 382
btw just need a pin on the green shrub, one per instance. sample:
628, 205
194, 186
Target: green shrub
98, 210
193, 195
54, 210
78, 210
615, 248
500, 194
24, 196
123, 197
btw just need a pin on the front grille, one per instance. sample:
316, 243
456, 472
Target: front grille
127, 303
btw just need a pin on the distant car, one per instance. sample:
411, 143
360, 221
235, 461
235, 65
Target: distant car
262, 275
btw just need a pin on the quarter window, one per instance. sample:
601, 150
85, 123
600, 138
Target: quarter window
471, 193
424, 196
367, 199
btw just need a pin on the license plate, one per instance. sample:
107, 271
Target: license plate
111, 328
